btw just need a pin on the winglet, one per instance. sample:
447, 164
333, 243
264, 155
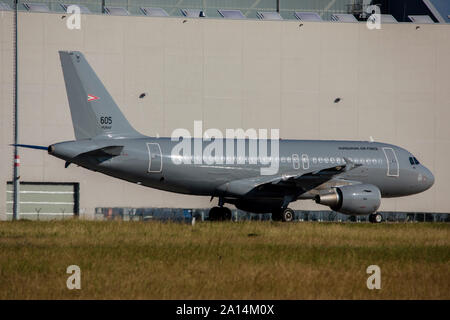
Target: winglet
350, 164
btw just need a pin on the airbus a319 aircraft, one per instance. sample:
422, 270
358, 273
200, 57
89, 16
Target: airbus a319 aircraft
350, 177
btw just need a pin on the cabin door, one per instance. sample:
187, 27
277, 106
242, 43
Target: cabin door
392, 162
154, 157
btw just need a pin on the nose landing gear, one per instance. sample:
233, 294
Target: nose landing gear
375, 218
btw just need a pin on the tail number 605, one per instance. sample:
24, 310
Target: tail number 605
105, 120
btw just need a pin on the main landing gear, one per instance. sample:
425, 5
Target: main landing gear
375, 218
219, 214
285, 215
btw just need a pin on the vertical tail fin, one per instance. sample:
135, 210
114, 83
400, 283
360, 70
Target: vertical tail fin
94, 112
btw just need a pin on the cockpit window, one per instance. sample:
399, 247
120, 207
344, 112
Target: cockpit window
416, 161
411, 160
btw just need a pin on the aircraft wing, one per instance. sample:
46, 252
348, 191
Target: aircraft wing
300, 183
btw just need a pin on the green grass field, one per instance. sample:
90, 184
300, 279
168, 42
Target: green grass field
247, 260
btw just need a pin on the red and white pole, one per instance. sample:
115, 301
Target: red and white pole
16, 176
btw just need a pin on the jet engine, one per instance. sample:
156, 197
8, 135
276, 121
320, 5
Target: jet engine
358, 199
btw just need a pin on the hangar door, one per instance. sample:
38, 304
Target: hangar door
44, 201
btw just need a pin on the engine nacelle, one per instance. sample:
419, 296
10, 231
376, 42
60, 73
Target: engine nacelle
358, 199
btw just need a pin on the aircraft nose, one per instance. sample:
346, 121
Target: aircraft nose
427, 178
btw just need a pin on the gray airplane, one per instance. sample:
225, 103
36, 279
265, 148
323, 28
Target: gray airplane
350, 177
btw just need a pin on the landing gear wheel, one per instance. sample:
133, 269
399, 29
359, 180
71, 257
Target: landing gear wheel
376, 218
214, 213
219, 214
287, 215
226, 214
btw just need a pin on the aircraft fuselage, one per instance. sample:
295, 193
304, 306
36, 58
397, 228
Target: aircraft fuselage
151, 162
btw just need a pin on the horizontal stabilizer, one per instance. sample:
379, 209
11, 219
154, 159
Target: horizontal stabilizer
96, 155
105, 151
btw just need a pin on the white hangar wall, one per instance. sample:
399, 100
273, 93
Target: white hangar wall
393, 84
